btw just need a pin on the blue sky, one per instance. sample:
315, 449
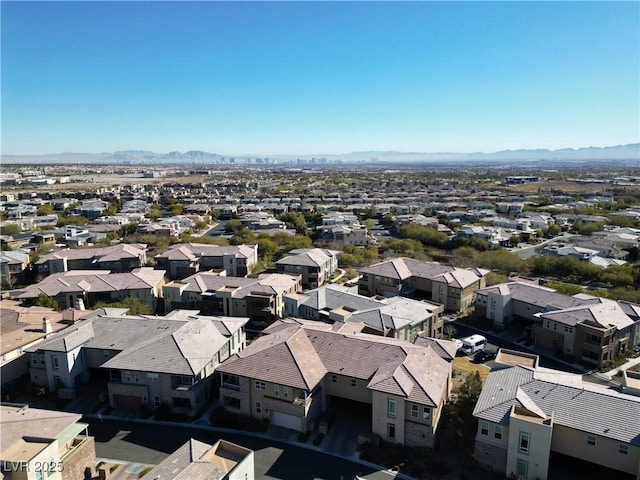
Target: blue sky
311, 77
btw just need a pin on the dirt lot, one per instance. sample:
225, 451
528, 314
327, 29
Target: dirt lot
463, 366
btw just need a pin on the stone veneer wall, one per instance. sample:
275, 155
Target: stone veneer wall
418, 435
491, 455
82, 457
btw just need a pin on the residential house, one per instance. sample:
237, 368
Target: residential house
292, 374
150, 360
22, 327
395, 317
185, 259
260, 299
38, 444
527, 413
581, 327
196, 460
343, 235
14, 267
93, 286
450, 286
315, 265
120, 258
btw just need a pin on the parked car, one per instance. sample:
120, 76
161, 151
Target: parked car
484, 356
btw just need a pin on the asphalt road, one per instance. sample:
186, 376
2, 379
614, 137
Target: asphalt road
151, 443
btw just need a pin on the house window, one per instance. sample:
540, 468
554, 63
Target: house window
414, 411
41, 359
354, 382
334, 379
522, 468
286, 392
391, 430
261, 385
623, 449
591, 440
497, 432
258, 407
153, 377
426, 414
136, 377
391, 408
484, 428
524, 442
276, 389
127, 376
156, 401
55, 362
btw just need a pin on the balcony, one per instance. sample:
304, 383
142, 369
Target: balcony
231, 386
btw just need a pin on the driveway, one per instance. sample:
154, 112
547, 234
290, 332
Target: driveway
347, 419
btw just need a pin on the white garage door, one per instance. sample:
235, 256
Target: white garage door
286, 420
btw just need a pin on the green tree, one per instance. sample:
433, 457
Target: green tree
427, 235
553, 231
111, 210
45, 300
135, 306
72, 220
44, 209
267, 249
9, 229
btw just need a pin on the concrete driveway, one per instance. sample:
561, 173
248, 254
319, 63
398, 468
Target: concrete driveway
349, 420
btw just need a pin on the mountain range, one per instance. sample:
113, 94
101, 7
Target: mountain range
629, 152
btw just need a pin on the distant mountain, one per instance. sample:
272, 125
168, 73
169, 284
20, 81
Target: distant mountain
619, 152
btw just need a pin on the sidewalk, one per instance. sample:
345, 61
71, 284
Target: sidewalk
631, 363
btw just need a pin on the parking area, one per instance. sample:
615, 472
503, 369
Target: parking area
346, 420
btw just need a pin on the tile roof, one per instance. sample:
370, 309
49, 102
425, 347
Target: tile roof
191, 251
572, 402
94, 281
101, 254
17, 423
294, 347
149, 343
402, 268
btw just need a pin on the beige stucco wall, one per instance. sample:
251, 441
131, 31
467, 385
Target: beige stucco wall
380, 418
537, 457
342, 388
573, 442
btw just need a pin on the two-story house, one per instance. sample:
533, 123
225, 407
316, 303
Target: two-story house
260, 299
528, 414
291, 375
185, 259
315, 265
450, 286
14, 266
119, 258
150, 360
395, 317
92, 287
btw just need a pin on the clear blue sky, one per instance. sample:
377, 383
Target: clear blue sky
303, 78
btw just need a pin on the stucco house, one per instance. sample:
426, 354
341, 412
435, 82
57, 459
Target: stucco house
450, 286
315, 265
292, 374
37, 444
92, 287
396, 317
185, 259
526, 413
149, 360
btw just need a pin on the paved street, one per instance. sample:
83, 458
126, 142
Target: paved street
149, 443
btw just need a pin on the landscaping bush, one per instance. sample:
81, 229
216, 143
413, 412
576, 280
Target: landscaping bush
225, 419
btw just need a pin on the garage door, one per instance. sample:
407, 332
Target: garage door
286, 420
127, 402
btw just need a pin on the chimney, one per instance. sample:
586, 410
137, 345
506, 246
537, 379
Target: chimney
80, 304
46, 325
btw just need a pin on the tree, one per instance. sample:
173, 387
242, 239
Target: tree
135, 306
45, 209
469, 394
267, 249
111, 210
45, 300
553, 231
10, 229
72, 220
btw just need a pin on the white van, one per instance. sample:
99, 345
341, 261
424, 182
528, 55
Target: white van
473, 344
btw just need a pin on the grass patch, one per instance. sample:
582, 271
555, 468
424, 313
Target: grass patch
465, 366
